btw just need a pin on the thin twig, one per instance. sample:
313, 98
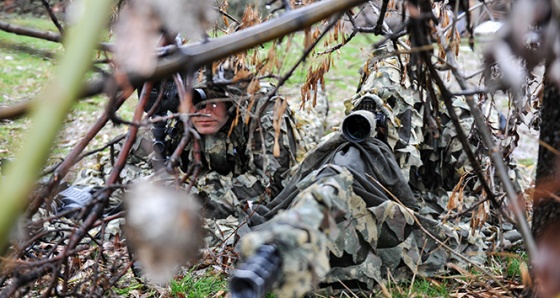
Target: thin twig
497, 159
381, 18
224, 13
53, 17
447, 98
340, 45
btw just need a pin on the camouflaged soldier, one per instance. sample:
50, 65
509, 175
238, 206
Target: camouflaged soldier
348, 219
248, 142
243, 159
417, 152
429, 158
337, 224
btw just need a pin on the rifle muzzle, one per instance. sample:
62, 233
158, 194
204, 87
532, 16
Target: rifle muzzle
255, 277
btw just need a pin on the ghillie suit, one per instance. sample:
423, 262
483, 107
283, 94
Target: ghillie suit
348, 219
356, 214
429, 154
249, 158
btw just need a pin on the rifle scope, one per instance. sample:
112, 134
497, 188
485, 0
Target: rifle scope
359, 126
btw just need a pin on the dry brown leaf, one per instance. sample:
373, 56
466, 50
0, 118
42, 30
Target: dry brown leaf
366, 68
250, 17
251, 89
335, 31
316, 34
453, 201
271, 60
277, 124
241, 74
225, 20
480, 216
254, 58
526, 278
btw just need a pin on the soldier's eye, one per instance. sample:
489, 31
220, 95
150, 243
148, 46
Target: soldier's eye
201, 107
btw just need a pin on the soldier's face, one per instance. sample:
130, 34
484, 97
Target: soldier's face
217, 118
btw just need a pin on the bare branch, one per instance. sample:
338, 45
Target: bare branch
15, 111
19, 30
53, 16
45, 35
199, 54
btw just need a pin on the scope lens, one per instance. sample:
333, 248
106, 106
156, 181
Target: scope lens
359, 126
356, 128
159, 147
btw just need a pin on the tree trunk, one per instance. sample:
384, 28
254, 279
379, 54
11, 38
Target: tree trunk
546, 208
546, 205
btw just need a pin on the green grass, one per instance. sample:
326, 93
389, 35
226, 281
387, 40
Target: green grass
25, 60
206, 285
513, 267
126, 291
512, 264
526, 161
27, 65
422, 287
